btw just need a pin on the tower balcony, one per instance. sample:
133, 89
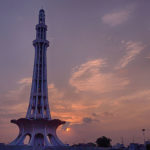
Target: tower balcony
41, 25
41, 41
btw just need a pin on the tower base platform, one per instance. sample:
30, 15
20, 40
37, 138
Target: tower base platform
41, 132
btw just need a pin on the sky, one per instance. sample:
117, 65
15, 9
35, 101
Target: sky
98, 67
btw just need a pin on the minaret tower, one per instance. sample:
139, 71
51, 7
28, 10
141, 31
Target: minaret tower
38, 106
38, 124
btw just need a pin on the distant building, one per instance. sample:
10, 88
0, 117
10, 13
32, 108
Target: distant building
136, 146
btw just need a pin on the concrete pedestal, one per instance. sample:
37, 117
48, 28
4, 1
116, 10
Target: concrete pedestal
42, 132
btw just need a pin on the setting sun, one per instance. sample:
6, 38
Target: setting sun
67, 129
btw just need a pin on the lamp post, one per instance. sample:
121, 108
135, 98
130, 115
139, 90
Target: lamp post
143, 131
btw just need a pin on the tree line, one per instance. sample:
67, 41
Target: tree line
100, 142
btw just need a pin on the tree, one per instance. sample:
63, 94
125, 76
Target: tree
147, 146
103, 142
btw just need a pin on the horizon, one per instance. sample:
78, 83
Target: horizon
98, 67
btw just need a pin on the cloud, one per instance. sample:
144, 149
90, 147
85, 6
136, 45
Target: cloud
72, 110
13, 103
87, 120
54, 93
107, 114
90, 77
147, 57
17, 96
133, 108
60, 107
132, 50
116, 18
27, 80
140, 96
88, 114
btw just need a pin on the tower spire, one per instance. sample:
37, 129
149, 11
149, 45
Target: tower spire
42, 16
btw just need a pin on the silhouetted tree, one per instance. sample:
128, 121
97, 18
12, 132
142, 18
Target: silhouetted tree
103, 142
147, 146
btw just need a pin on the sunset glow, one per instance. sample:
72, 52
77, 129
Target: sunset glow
98, 67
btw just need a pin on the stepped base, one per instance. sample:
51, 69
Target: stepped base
42, 132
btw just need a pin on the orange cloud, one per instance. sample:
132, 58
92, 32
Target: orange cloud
90, 77
99, 112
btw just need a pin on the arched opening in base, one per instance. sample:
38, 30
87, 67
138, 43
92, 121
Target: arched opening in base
39, 140
49, 136
27, 139
53, 140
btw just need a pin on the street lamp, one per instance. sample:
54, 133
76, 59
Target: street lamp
143, 131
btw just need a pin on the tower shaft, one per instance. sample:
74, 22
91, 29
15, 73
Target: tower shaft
38, 105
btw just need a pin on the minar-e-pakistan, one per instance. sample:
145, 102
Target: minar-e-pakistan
38, 124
